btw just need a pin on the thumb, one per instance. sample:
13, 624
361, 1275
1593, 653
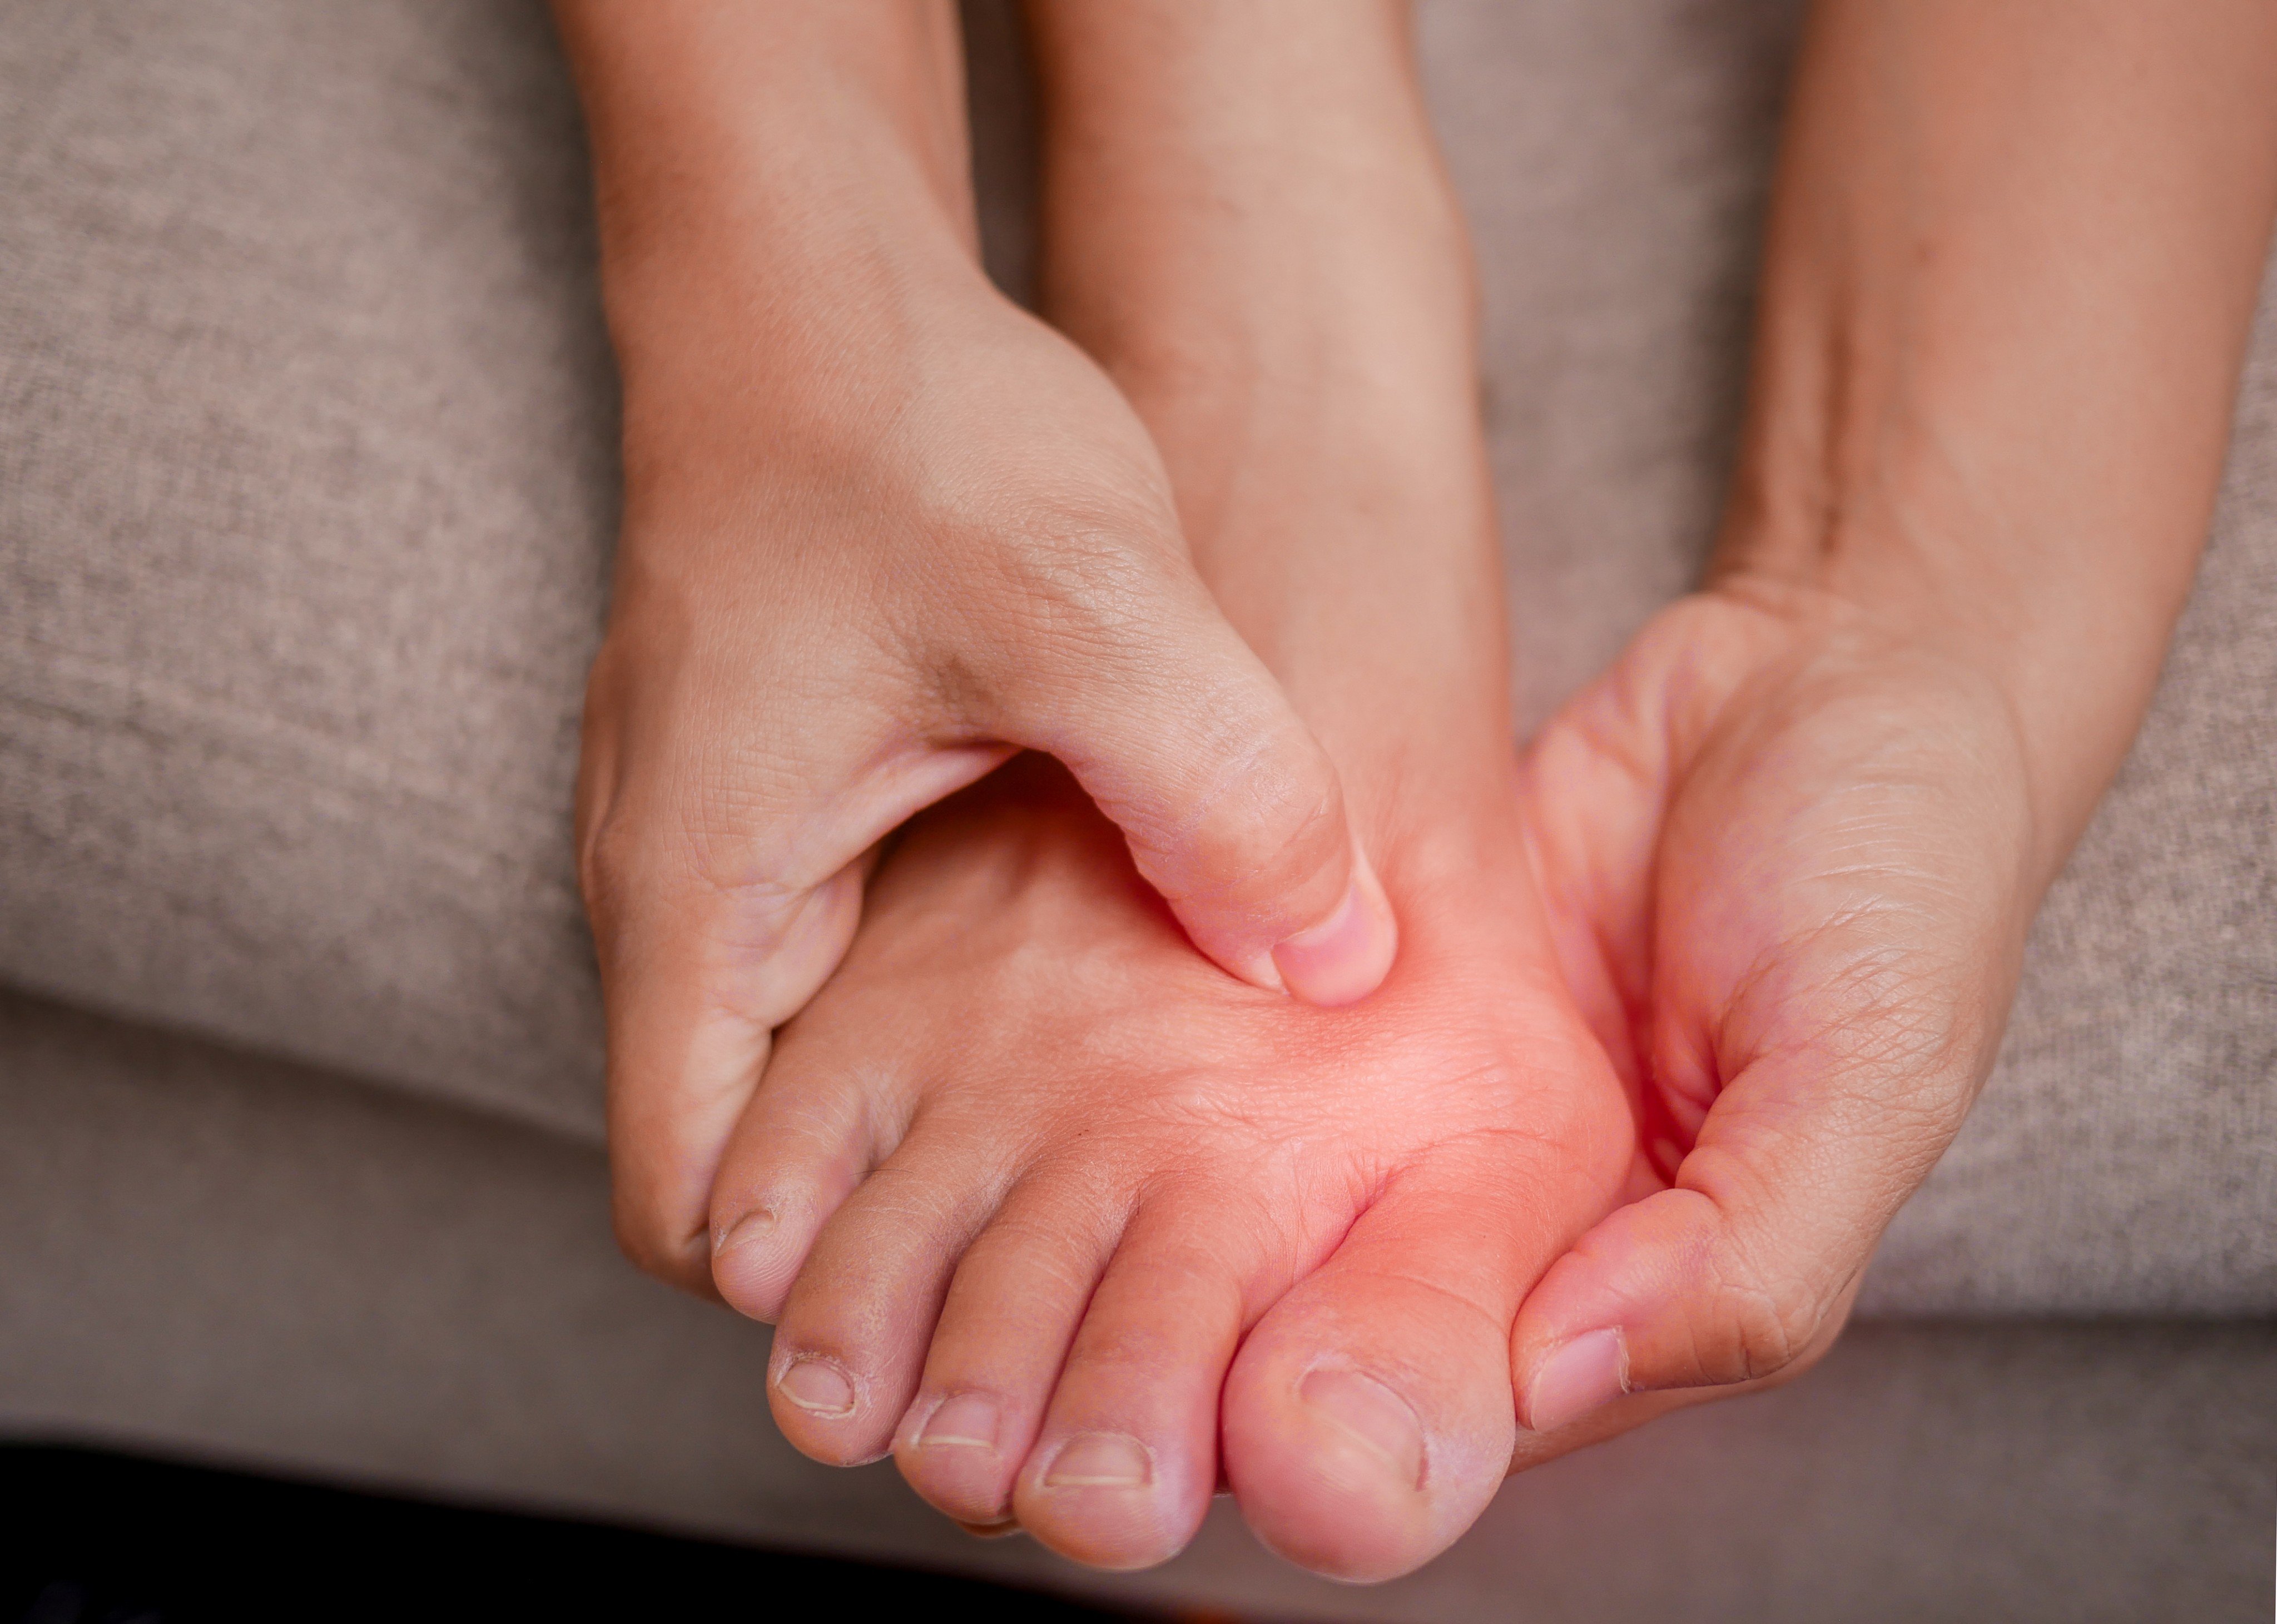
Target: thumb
1233, 811
1741, 1272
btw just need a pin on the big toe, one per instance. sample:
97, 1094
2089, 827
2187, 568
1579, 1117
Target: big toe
1368, 1418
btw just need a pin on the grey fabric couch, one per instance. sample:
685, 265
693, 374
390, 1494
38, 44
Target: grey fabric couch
305, 495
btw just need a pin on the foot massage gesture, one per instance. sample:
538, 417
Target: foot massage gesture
1084, 958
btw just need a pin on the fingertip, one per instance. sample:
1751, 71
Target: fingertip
1575, 1379
1590, 1330
1670, 1295
675, 1097
1345, 957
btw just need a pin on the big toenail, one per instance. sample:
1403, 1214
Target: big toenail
968, 1419
816, 1384
750, 1226
1100, 1460
1372, 1413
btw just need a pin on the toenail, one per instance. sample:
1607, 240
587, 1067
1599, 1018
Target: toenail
816, 1384
1581, 1375
750, 1226
1100, 1460
968, 1419
1372, 1413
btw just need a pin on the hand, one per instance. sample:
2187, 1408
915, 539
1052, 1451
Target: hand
1792, 843
882, 530
1788, 859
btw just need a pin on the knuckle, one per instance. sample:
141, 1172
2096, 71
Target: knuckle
1269, 815
1761, 1324
1083, 588
700, 838
605, 864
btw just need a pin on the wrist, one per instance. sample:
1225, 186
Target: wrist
2007, 276
2051, 709
769, 173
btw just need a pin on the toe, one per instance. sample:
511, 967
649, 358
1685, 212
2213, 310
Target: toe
830, 1108
1004, 1330
1123, 1466
1370, 1418
855, 1329
800, 1148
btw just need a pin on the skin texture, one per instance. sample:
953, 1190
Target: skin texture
882, 528
1790, 845
1793, 840
1022, 1158
1021, 1179
1689, 1001
1790, 860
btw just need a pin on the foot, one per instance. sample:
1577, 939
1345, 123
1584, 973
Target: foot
1030, 1187
1074, 1223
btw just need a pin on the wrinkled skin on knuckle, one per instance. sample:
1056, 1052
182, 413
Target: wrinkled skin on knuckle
608, 877
1049, 590
1754, 1318
600, 772
1094, 638
730, 764
1776, 1249
1272, 818
662, 845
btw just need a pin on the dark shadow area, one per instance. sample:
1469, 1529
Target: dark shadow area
99, 1538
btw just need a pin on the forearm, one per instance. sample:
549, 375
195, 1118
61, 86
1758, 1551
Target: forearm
1246, 221
2014, 254
773, 178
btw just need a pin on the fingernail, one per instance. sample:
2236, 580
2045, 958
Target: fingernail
1345, 957
968, 1419
1372, 1413
816, 1384
750, 1226
1579, 1375
1099, 1460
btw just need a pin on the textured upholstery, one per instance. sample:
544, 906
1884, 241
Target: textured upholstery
305, 496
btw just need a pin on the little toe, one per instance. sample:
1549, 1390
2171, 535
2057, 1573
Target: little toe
854, 1332
1004, 1330
1368, 1419
1123, 1468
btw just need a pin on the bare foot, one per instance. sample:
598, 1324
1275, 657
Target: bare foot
1039, 1174
1069, 1220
